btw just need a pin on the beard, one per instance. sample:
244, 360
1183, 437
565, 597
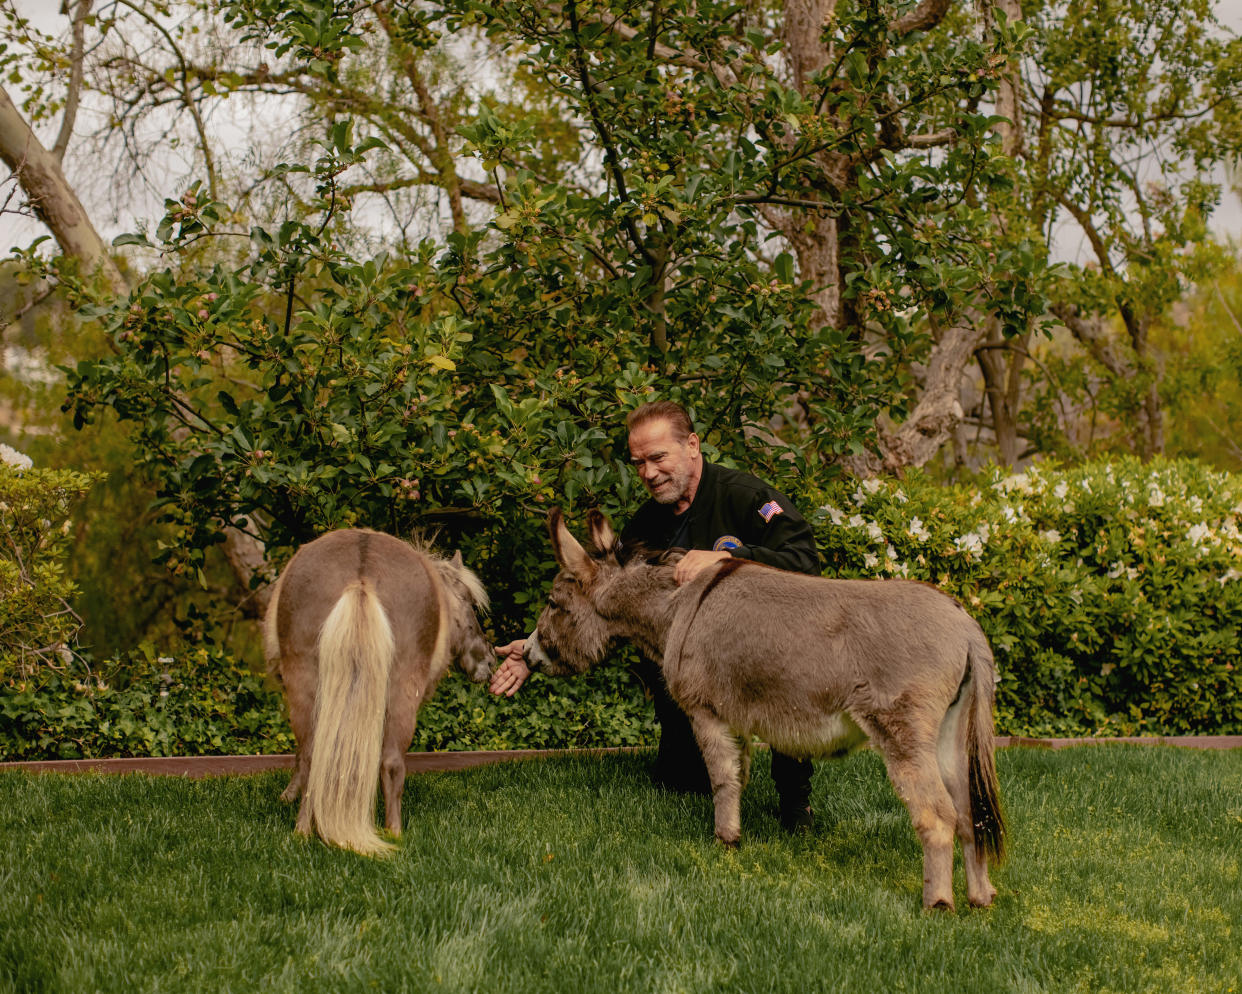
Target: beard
671, 489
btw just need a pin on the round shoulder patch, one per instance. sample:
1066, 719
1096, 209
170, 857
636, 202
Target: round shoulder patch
726, 542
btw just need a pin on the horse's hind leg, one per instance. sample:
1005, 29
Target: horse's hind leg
297, 782
404, 694
299, 679
725, 768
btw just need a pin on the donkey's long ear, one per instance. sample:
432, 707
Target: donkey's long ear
600, 530
569, 553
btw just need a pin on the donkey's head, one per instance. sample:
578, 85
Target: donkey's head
467, 643
571, 635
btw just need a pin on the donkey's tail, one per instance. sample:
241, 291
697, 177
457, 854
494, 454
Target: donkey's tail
356, 650
985, 808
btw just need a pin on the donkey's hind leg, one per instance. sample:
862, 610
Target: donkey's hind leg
915, 772
953, 756
726, 769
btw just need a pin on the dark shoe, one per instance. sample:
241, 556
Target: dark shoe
797, 819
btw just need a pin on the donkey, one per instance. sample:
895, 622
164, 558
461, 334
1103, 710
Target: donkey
813, 666
359, 630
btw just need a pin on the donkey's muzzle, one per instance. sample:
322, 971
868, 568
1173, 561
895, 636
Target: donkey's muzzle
534, 655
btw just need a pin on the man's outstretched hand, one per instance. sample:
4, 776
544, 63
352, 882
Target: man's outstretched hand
512, 671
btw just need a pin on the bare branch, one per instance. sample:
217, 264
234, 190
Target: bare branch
74, 89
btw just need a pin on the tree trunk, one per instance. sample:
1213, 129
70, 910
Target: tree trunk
41, 178
39, 173
939, 409
1001, 368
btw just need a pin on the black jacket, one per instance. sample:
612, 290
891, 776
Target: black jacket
731, 510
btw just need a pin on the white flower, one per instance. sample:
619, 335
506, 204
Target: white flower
872, 484
1051, 536
856, 521
1197, 533
11, 457
1060, 490
870, 560
875, 531
1018, 482
970, 543
859, 497
917, 531
833, 513
900, 497
1155, 497
1230, 575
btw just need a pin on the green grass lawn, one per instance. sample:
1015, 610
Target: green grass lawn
574, 875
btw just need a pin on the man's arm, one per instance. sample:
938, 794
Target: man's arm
784, 539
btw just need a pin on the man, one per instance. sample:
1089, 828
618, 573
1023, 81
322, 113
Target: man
715, 513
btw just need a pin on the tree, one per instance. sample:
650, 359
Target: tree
1128, 108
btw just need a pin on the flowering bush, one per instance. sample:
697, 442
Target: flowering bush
37, 625
1111, 592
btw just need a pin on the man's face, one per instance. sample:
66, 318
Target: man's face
665, 465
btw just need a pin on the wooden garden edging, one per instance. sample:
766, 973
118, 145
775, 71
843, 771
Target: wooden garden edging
428, 762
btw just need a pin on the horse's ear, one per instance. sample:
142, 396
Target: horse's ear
456, 561
569, 553
600, 530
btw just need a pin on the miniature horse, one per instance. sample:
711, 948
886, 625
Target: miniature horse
359, 629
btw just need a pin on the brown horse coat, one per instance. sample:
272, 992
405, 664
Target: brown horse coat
812, 666
359, 629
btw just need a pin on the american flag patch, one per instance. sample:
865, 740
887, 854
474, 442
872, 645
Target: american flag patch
770, 510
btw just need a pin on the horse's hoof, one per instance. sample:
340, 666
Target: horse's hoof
733, 843
941, 905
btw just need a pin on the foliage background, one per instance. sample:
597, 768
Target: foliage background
1111, 594
427, 306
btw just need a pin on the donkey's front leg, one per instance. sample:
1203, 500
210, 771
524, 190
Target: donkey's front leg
723, 756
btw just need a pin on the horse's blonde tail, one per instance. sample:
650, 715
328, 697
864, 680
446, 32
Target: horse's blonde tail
985, 807
356, 649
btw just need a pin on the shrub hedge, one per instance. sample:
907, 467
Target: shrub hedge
205, 703
1111, 592
37, 625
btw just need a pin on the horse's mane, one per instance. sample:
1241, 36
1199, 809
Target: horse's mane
469, 579
424, 542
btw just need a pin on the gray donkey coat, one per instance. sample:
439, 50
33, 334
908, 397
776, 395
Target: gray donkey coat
812, 666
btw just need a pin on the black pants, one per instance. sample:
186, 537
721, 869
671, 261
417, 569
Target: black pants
679, 762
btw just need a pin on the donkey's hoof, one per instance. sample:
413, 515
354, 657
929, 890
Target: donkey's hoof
942, 904
983, 900
729, 843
